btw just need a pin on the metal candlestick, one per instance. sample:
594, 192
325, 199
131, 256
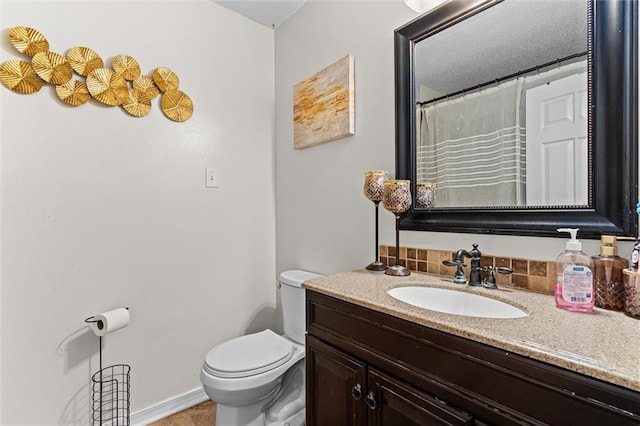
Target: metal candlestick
374, 190
397, 199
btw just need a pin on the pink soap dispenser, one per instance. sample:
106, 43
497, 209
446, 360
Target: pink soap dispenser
574, 287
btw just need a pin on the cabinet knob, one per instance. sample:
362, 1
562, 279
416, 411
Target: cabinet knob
356, 392
371, 401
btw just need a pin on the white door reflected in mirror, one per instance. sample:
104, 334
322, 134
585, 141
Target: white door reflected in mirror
557, 143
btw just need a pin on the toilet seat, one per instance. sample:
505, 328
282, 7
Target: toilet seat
248, 355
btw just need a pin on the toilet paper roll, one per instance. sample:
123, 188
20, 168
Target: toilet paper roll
110, 321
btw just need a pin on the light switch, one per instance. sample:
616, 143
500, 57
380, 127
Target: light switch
211, 177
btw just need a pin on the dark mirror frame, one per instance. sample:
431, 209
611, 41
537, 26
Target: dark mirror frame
613, 131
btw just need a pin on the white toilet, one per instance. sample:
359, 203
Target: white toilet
258, 379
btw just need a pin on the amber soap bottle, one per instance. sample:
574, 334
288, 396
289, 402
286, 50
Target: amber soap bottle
608, 277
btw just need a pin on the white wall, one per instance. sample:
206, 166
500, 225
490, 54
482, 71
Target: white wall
324, 223
101, 209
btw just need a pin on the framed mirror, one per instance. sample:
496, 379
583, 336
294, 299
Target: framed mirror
520, 116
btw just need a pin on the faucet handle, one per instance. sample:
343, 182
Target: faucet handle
453, 263
490, 279
458, 277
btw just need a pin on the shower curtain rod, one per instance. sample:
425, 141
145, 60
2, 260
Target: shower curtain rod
499, 80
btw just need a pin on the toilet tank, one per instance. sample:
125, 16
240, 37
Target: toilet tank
293, 303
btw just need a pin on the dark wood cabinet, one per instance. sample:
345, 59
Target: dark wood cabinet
337, 383
365, 367
346, 392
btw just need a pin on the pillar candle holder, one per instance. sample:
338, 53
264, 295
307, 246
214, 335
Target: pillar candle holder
397, 200
374, 190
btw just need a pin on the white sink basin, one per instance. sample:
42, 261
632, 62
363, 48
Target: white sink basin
455, 302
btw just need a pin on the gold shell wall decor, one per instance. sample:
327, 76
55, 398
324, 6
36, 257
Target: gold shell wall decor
165, 79
84, 60
138, 103
20, 77
177, 105
52, 67
73, 92
28, 40
124, 85
146, 84
107, 86
127, 66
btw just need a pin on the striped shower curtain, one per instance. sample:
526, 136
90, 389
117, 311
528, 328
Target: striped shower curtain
473, 146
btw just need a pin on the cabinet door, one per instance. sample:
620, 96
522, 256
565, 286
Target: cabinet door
392, 402
335, 387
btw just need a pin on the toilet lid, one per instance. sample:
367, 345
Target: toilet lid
248, 355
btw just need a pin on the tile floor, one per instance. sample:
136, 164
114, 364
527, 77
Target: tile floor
200, 415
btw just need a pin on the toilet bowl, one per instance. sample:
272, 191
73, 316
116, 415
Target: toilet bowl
258, 379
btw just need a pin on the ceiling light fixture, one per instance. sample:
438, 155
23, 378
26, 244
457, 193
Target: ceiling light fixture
421, 6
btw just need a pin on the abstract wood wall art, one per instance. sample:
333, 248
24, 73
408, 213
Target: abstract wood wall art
324, 105
81, 75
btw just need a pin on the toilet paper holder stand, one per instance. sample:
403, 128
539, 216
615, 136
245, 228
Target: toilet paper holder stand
110, 391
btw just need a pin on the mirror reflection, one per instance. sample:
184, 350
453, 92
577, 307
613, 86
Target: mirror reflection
502, 107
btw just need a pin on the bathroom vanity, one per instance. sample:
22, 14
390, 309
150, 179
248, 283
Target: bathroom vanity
372, 359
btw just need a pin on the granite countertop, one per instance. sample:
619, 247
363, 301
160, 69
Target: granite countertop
603, 344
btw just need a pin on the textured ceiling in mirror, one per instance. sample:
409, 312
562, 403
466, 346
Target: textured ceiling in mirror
506, 31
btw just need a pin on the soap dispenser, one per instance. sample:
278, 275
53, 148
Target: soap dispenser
607, 273
574, 268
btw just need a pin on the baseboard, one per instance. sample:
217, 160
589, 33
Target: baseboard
168, 407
